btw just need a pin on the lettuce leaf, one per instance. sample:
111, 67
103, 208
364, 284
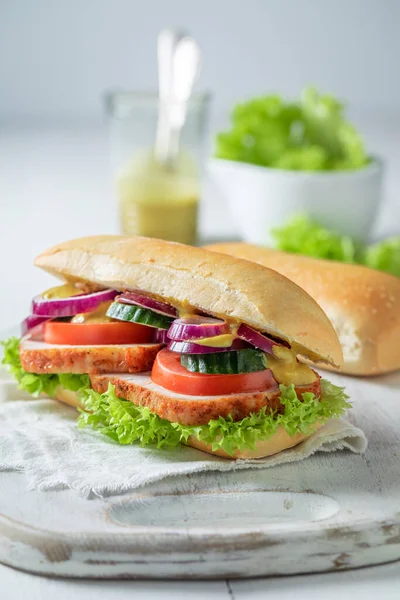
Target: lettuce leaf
35, 384
384, 256
302, 235
325, 125
310, 134
126, 423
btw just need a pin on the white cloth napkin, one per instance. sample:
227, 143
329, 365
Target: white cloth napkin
41, 438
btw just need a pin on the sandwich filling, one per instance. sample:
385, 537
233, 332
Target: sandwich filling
144, 373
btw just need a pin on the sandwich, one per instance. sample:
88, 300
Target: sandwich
160, 343
362, 304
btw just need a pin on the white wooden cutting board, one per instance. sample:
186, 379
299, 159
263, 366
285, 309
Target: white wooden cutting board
329, 512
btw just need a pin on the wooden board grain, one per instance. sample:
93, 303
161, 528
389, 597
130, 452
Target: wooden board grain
329, 512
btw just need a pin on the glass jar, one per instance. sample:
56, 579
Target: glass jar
156, 200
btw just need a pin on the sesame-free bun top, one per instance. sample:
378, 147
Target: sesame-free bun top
217, 284
363, 304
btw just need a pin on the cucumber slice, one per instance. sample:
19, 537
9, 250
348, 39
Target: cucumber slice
138, 314
226, 363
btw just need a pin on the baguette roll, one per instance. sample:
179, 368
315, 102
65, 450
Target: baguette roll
278, 442
195, 279
363, 304
67, 397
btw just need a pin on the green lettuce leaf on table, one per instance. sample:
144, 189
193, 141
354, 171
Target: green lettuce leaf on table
311, 134
302, 235
384, 256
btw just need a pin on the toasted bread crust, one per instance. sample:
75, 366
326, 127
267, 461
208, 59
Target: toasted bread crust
216, 284
279, 441
67, 397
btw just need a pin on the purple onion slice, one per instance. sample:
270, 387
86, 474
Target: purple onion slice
160, 336
195, 328
257, 339
193, 348
146, 302
31, 322
68, 307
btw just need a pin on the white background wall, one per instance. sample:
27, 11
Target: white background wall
58, 56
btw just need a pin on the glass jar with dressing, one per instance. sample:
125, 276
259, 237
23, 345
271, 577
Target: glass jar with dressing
156, 200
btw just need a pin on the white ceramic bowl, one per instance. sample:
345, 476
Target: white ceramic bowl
261, 198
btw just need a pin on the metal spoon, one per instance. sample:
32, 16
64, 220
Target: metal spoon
185, 71
179, 67
166, 45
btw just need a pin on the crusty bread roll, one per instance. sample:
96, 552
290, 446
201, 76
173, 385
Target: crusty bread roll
67, 397
216, 284
362, 304
278, 442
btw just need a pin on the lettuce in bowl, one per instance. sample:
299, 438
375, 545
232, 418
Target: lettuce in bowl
310, 134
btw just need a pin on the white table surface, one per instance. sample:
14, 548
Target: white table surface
55, 184
363, 584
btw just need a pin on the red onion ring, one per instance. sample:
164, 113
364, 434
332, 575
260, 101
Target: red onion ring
195, 328
67, 307
192, 348
257, 339
146, 302
31, 322
160, 336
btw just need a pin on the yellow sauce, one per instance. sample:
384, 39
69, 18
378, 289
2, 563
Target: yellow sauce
159, 202
61, 291
287, 370
218, 341
176, 222
283, 364
95, 316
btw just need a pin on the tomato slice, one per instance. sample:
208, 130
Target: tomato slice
77, 334
170, 374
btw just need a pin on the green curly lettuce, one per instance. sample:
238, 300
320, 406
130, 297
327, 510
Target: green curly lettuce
35, 384
302, 235
325, 126
127, 423
310, 134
